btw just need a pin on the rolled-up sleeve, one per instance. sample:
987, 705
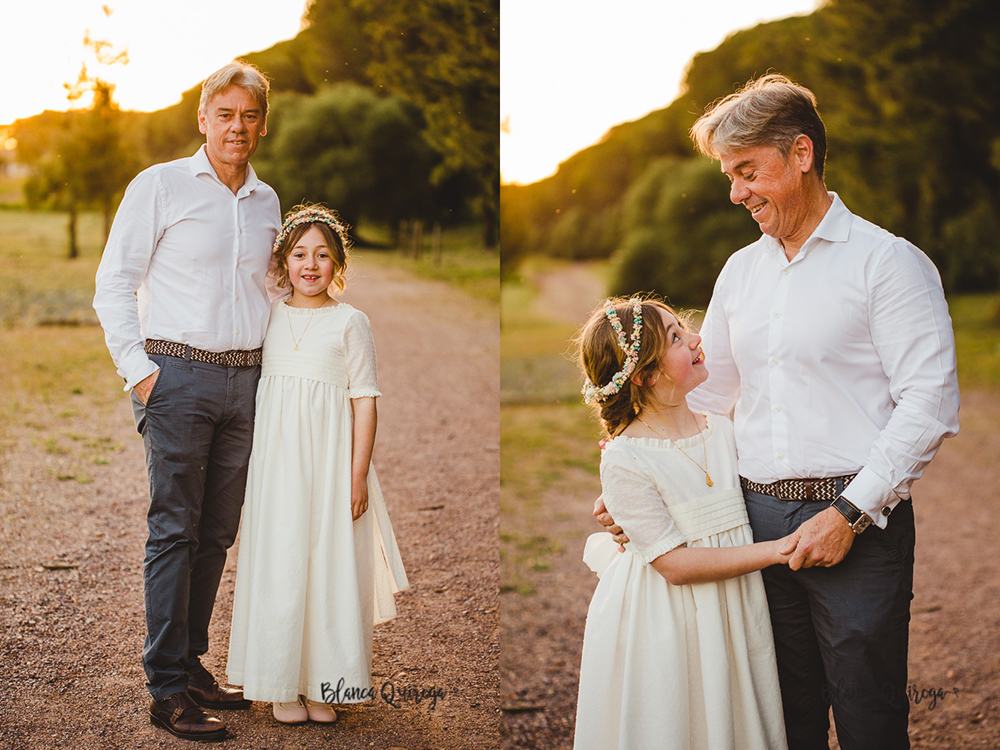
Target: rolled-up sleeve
632, 499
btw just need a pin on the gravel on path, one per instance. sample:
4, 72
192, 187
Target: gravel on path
71, 607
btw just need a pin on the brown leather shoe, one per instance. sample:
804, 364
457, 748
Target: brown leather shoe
207, 693
184, 718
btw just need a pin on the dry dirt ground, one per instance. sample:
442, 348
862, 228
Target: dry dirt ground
954, 665
71, 608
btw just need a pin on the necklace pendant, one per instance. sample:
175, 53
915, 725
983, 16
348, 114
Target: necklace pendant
708, 480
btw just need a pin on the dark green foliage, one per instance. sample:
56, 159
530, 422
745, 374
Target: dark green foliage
444, 56
351, 149
685, 229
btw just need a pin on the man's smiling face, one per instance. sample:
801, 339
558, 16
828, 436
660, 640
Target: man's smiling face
770, 186
233, 126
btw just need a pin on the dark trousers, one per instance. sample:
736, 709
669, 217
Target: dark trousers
197, 428
841, 632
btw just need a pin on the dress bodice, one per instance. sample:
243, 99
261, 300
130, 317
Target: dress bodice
332, 345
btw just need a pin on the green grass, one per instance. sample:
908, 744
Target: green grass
977, 339
536, 353
38, 281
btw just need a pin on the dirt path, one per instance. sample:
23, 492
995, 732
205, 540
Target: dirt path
954, 665
71, 633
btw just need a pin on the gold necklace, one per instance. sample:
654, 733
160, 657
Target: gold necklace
299, 341
708, 479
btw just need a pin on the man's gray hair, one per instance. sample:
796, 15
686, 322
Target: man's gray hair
771, 111
236, 73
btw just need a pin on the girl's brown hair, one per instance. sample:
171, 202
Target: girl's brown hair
338, 252
600, 357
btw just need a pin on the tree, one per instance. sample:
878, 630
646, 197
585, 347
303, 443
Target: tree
80, 159
444, 55
352, 149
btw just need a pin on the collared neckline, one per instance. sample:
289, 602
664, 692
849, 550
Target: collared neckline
201, 165
835, 226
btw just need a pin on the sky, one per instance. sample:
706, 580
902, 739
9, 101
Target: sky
572, 69
171, 46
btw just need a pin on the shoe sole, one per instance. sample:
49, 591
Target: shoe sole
230, 706
215, 736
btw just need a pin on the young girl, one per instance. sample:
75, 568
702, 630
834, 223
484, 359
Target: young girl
317, 566
677, 653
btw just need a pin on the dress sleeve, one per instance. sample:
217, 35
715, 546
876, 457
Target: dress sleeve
360, 354
632, 499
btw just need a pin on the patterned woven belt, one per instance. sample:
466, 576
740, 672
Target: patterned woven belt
799, 489
232, 358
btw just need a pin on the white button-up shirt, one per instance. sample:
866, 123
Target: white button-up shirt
186, 261
839, 361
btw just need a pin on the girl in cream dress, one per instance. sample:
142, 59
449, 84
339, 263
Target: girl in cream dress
318, 562
677, 653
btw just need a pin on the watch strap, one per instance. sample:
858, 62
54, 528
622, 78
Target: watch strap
856, 518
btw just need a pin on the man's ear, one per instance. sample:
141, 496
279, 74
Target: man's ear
202, 123
803, 153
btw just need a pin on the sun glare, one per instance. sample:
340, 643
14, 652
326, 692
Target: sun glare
170, 48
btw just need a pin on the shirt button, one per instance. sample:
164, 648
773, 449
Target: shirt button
777, 315
774, 361
781, 456
777, 408
786, 272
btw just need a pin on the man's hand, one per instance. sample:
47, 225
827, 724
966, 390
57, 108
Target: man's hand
144, 387
604, 518
823, 540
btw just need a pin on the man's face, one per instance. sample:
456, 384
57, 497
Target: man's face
233, 126
771, 187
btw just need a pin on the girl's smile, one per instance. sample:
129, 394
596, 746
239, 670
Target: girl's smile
683, 362
310, 270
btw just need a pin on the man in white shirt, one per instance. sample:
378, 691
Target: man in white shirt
829, 339
181, 296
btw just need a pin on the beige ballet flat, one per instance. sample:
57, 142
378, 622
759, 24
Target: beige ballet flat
291, 713
320, 712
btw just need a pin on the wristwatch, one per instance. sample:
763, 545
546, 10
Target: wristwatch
858, 519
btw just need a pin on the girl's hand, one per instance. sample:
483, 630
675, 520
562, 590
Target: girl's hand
784, 548
359, 499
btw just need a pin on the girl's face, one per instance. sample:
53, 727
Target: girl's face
310, 267
683, 362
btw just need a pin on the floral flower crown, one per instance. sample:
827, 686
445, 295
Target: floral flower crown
311, 215
595, 395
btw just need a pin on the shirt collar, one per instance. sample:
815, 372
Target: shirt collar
201, 165
835, 226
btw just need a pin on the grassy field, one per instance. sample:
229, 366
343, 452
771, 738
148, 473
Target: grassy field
38, 282
548, 436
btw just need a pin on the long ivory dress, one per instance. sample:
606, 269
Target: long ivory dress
310, 581
675, 667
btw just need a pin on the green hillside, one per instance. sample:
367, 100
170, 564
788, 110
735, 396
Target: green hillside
910, 93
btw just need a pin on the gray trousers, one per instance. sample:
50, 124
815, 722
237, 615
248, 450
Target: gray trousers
197, 429
841, 633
